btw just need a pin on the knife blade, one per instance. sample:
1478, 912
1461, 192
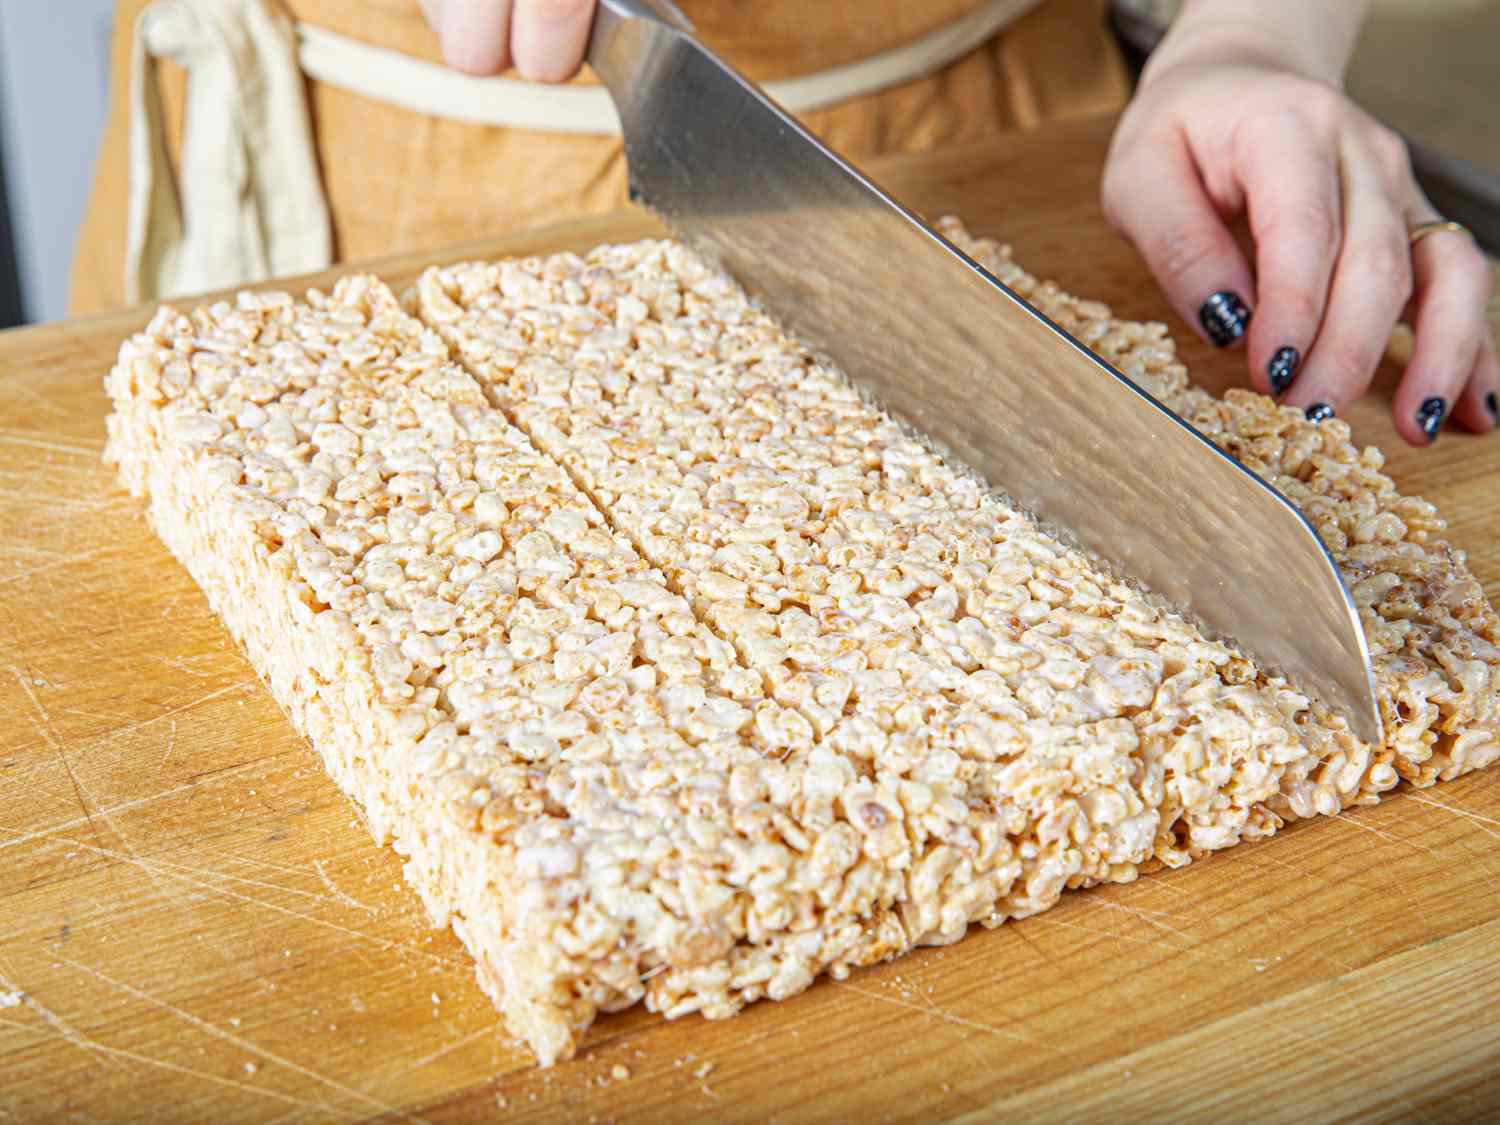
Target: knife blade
944, 346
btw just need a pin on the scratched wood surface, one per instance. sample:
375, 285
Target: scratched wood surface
194, 923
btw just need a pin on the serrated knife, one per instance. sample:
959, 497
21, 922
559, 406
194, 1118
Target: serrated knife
947, 348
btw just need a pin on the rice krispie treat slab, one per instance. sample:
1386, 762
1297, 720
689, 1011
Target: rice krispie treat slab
681, 675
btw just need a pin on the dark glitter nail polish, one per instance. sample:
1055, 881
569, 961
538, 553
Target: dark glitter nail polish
1318, 412
1224, 317
1430, 415
1283, 368
1492, 406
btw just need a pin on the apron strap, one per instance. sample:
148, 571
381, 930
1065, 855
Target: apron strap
249, 203
438, 91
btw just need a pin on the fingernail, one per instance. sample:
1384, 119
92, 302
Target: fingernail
1492, 406
1318, 412
1283, 368
1224, 317
1430, 415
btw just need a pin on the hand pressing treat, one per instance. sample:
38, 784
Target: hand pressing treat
1241, 110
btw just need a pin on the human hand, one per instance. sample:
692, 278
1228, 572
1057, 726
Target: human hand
543, 39
1230, 126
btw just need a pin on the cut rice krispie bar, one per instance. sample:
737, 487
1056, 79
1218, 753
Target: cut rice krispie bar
680, 674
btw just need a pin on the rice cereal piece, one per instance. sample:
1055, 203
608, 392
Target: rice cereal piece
520, 704
906, 614
702, 430
1434, 638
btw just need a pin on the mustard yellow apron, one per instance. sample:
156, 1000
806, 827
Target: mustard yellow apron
259, 141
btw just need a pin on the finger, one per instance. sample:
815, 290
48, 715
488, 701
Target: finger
1291, 181
1372, 281
1451, 293
1478, 407
475, 34
548, 37
1158, 201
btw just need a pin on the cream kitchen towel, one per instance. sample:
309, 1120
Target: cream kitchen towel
248, 203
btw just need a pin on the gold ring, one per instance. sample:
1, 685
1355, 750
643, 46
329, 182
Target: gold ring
1422, 230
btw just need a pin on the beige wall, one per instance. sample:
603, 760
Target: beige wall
1430, 68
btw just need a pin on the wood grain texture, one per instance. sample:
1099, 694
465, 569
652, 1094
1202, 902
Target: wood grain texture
194, 923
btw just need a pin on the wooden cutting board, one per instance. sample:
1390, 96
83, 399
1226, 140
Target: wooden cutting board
194, 923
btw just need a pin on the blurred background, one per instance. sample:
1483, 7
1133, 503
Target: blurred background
1431, 68
54, 71
1428, 68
